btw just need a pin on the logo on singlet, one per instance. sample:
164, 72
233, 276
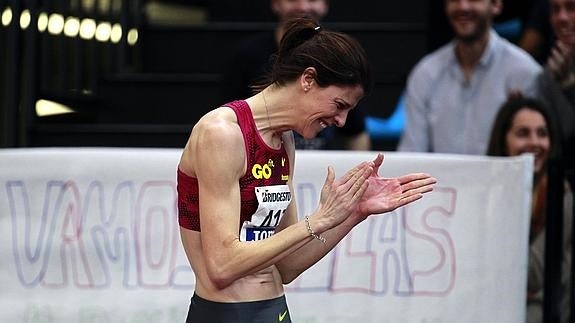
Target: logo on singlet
263, 171
284, 177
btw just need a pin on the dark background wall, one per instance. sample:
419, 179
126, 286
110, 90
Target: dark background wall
151, 94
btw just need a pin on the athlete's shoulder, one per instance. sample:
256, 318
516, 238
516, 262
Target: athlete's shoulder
220, 123
214, 143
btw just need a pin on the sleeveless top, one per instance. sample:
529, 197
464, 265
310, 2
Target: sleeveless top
263, 189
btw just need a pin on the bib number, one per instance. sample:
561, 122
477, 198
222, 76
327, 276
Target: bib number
272, 204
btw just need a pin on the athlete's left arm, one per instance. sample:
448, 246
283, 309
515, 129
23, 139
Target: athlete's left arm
298, 261
382, 195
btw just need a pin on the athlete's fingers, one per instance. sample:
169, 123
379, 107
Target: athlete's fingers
412, 177
348, 176
409, 199
329, 179
418, 190
360, 191
359, 178
415, 184
352, 176
377, 162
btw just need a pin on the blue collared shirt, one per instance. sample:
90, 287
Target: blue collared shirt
447, 113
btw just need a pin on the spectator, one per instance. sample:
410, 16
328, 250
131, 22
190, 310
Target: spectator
557, 82
537, 37
253, 60
524, 126
510, 23
453, 94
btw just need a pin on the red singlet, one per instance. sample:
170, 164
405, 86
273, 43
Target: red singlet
265, 178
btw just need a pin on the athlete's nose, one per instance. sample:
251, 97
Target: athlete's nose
340, 119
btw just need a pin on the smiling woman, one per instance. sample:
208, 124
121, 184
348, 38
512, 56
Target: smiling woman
237, 213
523, 125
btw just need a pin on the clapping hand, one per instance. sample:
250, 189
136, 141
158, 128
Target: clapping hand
560, 63
387, 194
340, 197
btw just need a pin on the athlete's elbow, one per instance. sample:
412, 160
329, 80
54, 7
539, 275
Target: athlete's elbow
288, 276
220, 277
222, 283
220, 272
287, 280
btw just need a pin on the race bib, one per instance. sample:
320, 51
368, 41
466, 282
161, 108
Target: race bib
272, 204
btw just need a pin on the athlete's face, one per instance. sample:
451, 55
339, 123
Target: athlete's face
327, 106
529, 134
471, 19
286, 9
563, 20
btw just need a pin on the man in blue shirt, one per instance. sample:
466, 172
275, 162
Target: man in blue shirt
454, 93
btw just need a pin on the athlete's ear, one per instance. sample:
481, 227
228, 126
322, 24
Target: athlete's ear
307, 78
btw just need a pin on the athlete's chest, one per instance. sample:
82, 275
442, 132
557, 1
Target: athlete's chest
265, 198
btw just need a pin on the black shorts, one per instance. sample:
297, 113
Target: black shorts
266, 311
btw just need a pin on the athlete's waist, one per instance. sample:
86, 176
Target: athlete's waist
215, 305
261, 285
267, 310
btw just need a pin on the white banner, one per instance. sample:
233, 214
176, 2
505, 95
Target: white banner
91, 235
